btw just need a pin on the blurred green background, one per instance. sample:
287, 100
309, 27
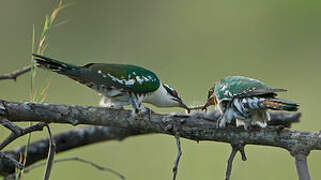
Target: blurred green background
190, 45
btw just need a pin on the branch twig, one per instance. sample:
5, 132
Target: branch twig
302, 166
11, 126
51, 154
14, 75
229, 163
68, 140
178, 156
235, 148
101, 168
13, 136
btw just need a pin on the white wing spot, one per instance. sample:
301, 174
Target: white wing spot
139, 79
130, 82
99, 71
224, 87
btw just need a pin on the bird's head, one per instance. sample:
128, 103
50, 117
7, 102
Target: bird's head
172, 98
211, 98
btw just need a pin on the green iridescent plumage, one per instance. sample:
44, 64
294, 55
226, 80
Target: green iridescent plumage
239, 86
119, 76
128, 77
245, 100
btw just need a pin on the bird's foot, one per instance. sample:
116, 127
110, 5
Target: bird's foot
140, 113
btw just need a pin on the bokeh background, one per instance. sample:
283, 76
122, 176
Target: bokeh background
190, 45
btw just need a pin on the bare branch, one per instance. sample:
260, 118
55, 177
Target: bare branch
178, 156
14, 75
51, 154
101, 168
11, 126
229, 163
195, 127
302, 166
38, 150
14, 136
235, 149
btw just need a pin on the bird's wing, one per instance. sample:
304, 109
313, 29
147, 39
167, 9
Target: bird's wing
239, 86
127, 77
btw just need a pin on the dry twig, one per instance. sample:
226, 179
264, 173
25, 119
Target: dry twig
101, 168
14, 75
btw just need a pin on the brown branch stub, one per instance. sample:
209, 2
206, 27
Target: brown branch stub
14, 75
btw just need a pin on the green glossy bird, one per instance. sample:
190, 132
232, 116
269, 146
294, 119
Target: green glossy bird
245, 100
120, 84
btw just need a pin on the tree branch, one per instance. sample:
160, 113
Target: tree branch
79, 137
302, 166
13, 136
51, 154
15, 74
197, 126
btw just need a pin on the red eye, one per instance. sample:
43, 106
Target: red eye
175, 94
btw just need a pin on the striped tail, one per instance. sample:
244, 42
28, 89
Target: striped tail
280, 104
55, 65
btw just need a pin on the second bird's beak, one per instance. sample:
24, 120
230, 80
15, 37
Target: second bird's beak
209, 102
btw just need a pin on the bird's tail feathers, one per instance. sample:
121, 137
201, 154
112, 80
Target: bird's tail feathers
280, 104
54, 65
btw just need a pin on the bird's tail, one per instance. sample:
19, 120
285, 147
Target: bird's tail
55, 65
280, 104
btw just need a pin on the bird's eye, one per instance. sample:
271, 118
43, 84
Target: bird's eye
175, 94
210, 92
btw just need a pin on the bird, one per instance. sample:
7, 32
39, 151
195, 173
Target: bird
119, 84
245, 101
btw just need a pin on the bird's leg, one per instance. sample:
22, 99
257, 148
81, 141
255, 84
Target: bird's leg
133, 103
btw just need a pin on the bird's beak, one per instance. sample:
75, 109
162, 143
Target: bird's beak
182, 105
208, 103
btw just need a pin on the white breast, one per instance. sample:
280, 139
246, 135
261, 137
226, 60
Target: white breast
160, 98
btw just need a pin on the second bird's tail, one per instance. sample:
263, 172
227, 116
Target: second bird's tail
280, 104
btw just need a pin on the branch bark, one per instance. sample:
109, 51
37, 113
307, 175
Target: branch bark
194, 127
197, 126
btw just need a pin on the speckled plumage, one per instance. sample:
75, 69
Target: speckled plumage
246, 100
